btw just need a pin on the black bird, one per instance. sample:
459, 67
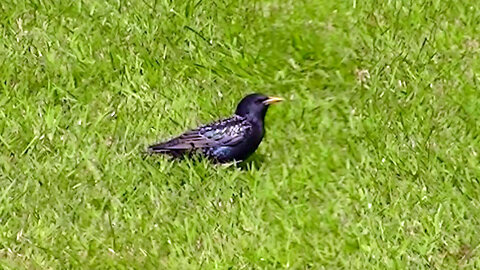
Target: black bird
227, 140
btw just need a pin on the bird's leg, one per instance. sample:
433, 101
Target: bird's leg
230, 164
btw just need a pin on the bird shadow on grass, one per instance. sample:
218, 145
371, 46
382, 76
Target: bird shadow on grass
254, 161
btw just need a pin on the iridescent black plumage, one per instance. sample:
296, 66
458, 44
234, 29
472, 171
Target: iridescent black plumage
230, 139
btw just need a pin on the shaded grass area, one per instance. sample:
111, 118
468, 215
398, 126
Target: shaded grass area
373, 161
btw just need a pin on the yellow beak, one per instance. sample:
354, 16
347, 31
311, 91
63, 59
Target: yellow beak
272, 100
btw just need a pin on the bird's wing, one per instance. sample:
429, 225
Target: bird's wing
226, 132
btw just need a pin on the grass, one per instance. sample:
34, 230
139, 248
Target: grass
371, 163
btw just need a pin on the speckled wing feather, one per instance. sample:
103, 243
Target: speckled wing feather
226, 132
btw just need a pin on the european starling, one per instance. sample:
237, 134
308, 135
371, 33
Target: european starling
227, 140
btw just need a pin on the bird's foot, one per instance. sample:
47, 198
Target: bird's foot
230, 164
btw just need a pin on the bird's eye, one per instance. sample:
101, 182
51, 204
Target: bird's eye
258, 101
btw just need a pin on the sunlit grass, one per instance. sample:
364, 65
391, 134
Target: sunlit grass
372, 161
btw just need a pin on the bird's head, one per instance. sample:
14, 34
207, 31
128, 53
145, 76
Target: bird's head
255, 105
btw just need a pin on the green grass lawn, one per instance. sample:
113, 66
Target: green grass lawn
372, 162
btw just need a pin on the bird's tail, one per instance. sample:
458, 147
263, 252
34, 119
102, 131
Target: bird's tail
156, 149
164, 148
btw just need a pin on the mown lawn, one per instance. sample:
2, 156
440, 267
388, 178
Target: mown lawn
372, 162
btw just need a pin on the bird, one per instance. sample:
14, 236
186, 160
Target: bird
227, 140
